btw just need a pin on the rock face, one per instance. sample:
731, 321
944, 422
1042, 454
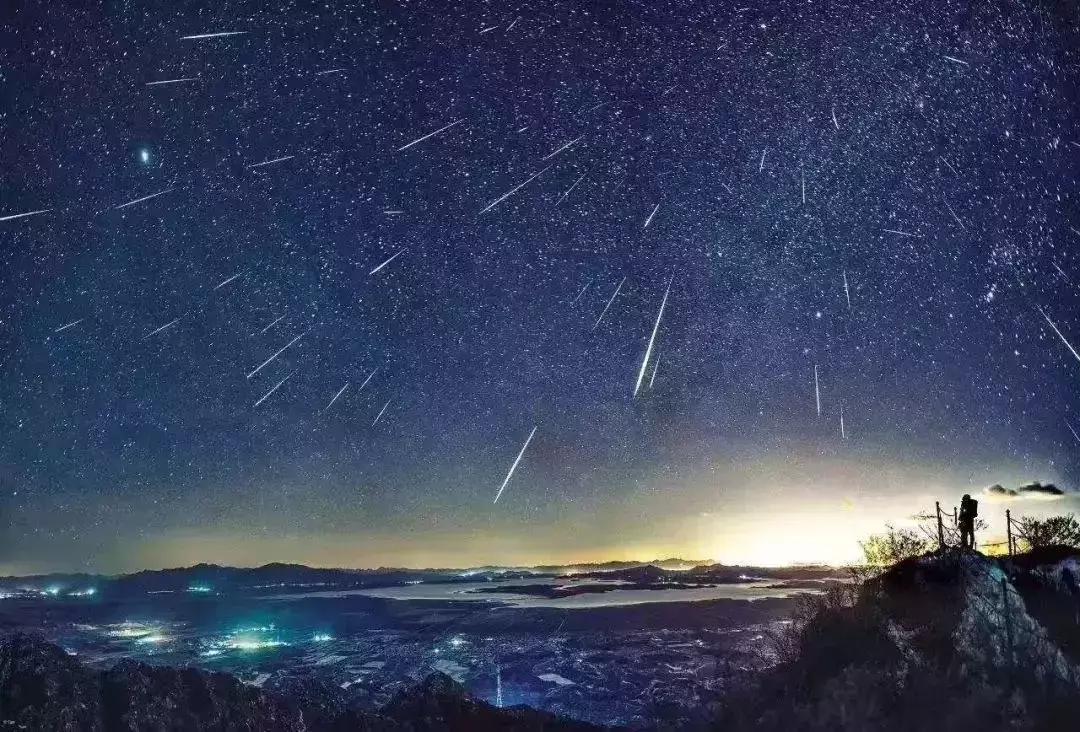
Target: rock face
43, 688
947, 641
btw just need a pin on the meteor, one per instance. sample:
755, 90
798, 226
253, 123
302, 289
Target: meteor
23, 215
514, 466
613, 296
582, 290
1059, 334
847, 293
144, 198
336, 396
392, 258
514, 190
1069, 425
69, 325
572, 187
817, 391
843, 432
652, 338
264, 363
275, 322
655, 368
219, 34
170, 81
418, 140
368, 379
380, 414
649, 220
226, 281
276, 386
271, 162
158, 330
564, 147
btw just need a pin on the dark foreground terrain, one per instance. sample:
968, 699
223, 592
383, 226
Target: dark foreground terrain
945, 642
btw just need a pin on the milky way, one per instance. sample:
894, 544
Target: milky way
867, 215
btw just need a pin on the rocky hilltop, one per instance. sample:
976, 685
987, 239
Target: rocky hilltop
947, 641
43, 688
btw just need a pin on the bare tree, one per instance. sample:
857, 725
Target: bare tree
883, 550
1055, 530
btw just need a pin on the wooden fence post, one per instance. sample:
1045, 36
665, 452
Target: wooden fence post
940, 528
1008, 530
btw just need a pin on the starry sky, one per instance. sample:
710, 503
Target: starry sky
460, 224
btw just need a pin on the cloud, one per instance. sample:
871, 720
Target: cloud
1028, 491
1040, 489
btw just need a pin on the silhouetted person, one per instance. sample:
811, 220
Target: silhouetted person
969, 509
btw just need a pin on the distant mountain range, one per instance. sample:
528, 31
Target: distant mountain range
278, 577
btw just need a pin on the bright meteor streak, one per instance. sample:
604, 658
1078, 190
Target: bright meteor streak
418, 140
342, 391
276, 387
606, 307
264, 363
1059, 334
513, 467
219, 34
144, 198
23, 215
514, 190
652, 338
392, 258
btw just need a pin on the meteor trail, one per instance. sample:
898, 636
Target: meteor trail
761, 167
275, 322
227, 281
144, 198
22, 215
170, 81
835, 123
219, 34
649, 220
901, 233
847, 293
328, 71
392, 258
572, 187
957, 61
367, 379
336, 397
1069, 425
294, 340
267, 394
953, 213
564, 147
271, 162
72, 323
514, 466
655, 368
418, 140
1063, 339
515, 189
613, 296
380, 414
158, 330
817, 391
652, 338
582, 290
843, 432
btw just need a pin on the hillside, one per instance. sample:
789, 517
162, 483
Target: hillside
946, 641
43, 688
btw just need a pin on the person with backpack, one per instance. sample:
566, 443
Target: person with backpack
969, 509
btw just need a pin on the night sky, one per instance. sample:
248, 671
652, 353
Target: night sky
883, 193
